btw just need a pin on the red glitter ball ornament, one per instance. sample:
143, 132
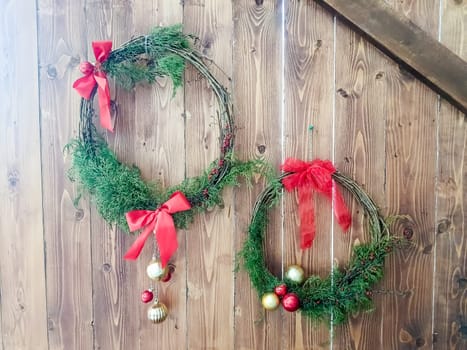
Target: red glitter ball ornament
147, 296
290, 302
86, 68
280, 290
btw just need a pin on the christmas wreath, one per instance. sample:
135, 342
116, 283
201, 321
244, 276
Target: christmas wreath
121, 196
343, 291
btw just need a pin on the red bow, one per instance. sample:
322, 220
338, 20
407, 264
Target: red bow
160, 222
309, 177
94, 75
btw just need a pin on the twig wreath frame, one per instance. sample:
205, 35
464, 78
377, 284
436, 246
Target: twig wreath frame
336, 296
116, 188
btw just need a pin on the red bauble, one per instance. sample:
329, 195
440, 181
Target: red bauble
290, 302
280, 290
147, 296
86, 68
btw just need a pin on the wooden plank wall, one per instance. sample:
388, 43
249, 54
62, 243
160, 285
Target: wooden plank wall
293, 64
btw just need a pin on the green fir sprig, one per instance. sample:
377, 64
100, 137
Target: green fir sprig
147, 57
342, 292
116, 188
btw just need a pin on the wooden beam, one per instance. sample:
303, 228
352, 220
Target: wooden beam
440, 68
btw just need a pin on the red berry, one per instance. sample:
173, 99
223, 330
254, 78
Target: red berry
280, 290
290, 302
147, 296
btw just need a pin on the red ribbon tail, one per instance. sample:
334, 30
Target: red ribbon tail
341, 212
103, 92
307, 217
137, 246
166, 237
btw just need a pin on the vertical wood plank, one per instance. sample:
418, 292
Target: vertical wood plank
150, 123
68, 246
117, 319
308, 96
362, 73
159, 153
22, 272
450, 300
209, 240
410, 180
258, 99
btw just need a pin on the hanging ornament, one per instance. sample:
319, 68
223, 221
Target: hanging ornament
280, 290
158, 312
290, 302
155, 271
147, 296
295, 273
270, 301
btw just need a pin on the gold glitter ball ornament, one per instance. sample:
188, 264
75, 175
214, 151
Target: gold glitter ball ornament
158, 312
295, 273
270, 301
155, 271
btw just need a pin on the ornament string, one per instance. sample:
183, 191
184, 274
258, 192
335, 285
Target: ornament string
309, 177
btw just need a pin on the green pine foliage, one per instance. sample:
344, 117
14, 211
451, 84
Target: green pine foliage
147, 57
116, 188
342, 292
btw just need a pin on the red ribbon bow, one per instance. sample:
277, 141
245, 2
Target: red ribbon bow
309, 177
160, 222
93, 75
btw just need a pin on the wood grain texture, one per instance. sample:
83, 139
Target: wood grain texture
117, 309
405, 145
209, 240
450, 299
409, 43
410, 180
156, 146
258, 99
308, 96
66, 227
362, 73
22, 272
159, 137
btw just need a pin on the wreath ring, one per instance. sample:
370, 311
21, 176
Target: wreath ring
118, 190
342, 292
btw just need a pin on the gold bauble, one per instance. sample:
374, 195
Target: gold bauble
295, 273
158, 312
270, 301
155, 271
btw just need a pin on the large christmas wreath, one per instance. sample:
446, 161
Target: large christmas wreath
343, 291
121, 196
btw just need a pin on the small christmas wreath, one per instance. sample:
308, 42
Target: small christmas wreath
341, 293
121, 196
